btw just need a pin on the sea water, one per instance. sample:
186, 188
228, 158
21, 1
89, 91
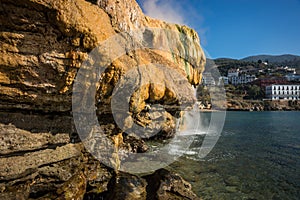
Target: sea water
256, 157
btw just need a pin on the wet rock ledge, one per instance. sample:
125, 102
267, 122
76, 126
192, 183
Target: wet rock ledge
46, 166
43, 45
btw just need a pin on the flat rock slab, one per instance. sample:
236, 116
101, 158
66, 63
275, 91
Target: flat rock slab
12, 167
14, 140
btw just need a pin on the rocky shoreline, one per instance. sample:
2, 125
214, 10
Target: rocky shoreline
43, 47
265, 105
48, 166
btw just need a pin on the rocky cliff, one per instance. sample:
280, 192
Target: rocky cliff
44, 44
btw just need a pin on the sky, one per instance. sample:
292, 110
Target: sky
235, 28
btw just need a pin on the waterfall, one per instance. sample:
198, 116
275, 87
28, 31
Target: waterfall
190, 124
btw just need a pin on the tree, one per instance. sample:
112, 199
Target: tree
255, 92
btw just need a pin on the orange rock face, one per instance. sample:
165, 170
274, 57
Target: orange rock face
149, 67
43, 44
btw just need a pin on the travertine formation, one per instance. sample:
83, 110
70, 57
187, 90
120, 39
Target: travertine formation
43, 45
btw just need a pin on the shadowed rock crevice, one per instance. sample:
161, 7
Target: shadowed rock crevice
167, 185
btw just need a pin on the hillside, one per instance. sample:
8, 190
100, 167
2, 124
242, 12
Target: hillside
251, 62
224, 64
273, 59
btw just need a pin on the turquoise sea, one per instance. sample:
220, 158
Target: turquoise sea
256, 157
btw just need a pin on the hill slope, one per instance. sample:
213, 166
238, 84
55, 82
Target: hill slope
273, 59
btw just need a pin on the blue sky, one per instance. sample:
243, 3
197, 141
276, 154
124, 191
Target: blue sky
235, 28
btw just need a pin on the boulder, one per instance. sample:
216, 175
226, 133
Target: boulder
126, 187
165, 185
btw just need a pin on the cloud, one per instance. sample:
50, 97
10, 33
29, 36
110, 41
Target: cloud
178, 12
167, 10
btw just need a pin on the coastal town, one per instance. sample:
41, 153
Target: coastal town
256, 83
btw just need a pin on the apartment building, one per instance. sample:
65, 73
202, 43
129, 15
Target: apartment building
284, 92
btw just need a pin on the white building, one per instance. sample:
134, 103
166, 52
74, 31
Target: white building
233, 72
290, 70
235, 78
208, 79
286, 92
293, 77
223, 80
243, 79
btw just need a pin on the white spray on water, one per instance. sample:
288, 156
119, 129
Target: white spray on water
188, 127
